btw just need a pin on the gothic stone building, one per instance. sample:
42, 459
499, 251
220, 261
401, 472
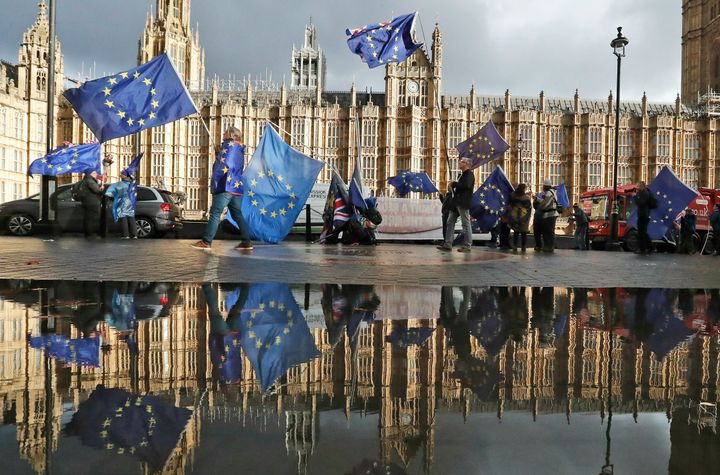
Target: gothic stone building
413, 124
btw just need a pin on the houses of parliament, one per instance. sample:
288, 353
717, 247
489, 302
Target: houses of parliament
413, 125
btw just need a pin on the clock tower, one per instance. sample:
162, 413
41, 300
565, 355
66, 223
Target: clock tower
413, 103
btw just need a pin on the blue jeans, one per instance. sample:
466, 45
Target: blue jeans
464, 215
233, 203
580, 235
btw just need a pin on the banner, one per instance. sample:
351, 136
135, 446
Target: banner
409, 219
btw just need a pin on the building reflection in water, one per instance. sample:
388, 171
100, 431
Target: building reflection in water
266, 355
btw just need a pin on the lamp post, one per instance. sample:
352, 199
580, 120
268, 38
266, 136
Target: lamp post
48, 183
618, 45
520, 160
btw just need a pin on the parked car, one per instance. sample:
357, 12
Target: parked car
156, 214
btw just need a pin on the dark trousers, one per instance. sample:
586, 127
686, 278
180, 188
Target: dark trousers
716, 241
538, 233
128, 226
504, 235
91, 217
643, 237
548, 233
687, 245
523, 240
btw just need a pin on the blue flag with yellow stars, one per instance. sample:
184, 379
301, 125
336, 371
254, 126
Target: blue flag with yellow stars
275, 335
147, 96
408, 182
483, 147
356, 195
490, 200
668, 329
123, 423
277, 183
131, 169
68, 159
78, 351
228, 168
672, 195
561, 195
383, 43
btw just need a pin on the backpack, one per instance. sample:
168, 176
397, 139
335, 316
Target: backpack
78, 191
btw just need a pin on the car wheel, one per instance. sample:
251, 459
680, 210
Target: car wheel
145, 227
21, 225
631, 243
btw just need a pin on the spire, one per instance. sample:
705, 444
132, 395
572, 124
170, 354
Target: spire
42, 13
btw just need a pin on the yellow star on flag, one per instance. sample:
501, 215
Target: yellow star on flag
124, 75
155, 104
251, 193
273, 214
110, 104
280, 178
152, 115
254, 202
253, 182
121, 114
258, 344
292, 195
282, 211
112, 81
107, 91
270, 173
225, 169
141, 122
130, 121
263, 211
291, 205
261, 174
136, 74
147, 81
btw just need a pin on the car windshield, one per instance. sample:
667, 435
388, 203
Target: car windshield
598, 207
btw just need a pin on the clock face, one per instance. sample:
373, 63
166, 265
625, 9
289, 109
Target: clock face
412, 87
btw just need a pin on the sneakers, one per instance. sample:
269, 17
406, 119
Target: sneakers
125, 237
463, 249
201, 245
444, 248
244, 246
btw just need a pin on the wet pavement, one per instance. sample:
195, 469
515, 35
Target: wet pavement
167, 377
298, 263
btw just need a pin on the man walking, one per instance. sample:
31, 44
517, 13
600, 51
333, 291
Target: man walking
548, 207
462, 200
581, 227
91, 196
227, 190
644, 203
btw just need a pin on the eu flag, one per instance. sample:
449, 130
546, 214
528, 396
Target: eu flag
68, 159
561, 195
275, 335
137, 99
228, 168
490, 200
336, 212
383, 43
114, 420
356, 193
483, 147
131, 171
407, 182
668, 330
277, 183
405, 337
672, 195
78, 351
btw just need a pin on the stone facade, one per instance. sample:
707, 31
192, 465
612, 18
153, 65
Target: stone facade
412, 124
23, 108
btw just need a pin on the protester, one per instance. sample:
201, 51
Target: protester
462, 199
124, 205
715, 224
91, 192
519, 216
644, 201
504, 231
226, 189
538, 223
361, 228
688, 224
447, 206
581, 227
548, 206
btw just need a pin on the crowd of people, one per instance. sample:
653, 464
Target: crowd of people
512, 228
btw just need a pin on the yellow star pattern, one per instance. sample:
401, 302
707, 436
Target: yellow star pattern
121, 114
124, 75
107, 91
136, 74
110, 104
147, 81
112, 81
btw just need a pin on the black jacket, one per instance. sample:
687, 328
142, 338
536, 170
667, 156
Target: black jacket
463, 190
642, 200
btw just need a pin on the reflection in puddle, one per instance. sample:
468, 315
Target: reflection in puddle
163, 377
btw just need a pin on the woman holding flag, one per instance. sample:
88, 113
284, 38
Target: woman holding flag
124, 194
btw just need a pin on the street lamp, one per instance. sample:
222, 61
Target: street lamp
618, 45
48, 183
520, 144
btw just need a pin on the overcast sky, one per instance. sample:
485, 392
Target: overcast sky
524, 45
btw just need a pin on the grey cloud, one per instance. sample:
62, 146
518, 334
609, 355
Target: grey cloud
525, 45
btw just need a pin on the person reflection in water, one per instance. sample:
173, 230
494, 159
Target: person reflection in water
348, 307
482, 376
224, 341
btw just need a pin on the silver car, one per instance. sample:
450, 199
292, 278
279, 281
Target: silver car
157, 213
